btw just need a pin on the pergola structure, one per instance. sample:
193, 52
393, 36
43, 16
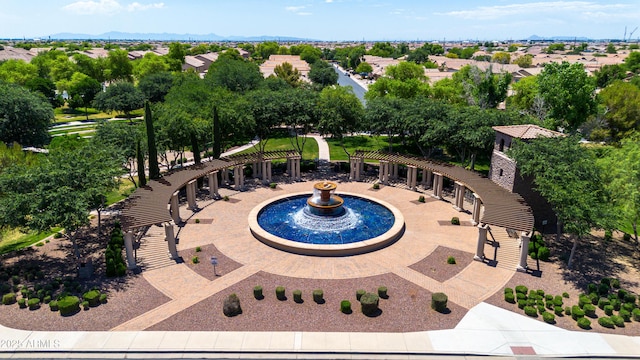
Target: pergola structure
157, 202
492, 205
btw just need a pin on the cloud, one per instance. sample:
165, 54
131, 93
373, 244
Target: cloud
107, 7
328, 1
298, 10
581, 8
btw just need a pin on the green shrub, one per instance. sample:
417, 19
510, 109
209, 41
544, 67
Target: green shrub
195, 260
549, 304
591, 288
636, 314
606, 322
617, 320
548, 297
85, 305
421, 198
583, 300
594, 298
558, 310
92, 297
69, 305
382, 292
565, 295
520, 296
345, 307
628, 306
508, 290
533, 295
557, 301
630, 299
567, 310
616, 304
57, 235
589, 310
53, 306
359, 294
257, 293
103, 298
548, 317
576, 312
541, 309
521, 289
544, 253
625, 315
606, 281
297, 296
626, 237
522, 303
318, 296
376, 186
280, 293
455, 220
47, 299
198, 249
15, 279
369, 304
531, 311
584, 323
608, 235
451, 260
225, 198
9, 299
34, 303
608, 309
615, 283
604, 302
273, 185
508, 297
231, 306
197, 221
603, 289
439, 301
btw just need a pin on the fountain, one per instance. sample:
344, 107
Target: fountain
325, 224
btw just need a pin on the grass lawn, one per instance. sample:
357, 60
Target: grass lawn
74, 129
124, 189
365, 142
65, 114
13, 239
283, 143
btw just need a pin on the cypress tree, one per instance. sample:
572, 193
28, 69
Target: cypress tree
154, 170
217, 135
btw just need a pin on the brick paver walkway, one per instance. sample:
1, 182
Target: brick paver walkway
230, 234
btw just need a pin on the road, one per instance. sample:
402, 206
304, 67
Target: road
344, 80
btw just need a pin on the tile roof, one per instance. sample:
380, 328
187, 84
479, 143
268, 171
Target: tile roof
526, 131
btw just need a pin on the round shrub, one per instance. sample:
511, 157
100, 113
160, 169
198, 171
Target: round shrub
198, 248
53, 306
615, 283
369, 304
376, 186
594, 298
603, 288
92, 297
421, 198
508, 290
231, 306
565, 295
68, 305
345, 307
195, 260
521, 296
103, 298
622, 293
22, 303
85, 305
318, 296
382, 292
625, 315
451, 260
548, 297
584, 323
47, 299
33, 303
636, 314
567, 310
606, 322
521, 289
604, 302
630, 299
540, 293
576, 312
617, 320
558, 310
439, 301
522, 303
544, 253
455, 220
548, 317
557, 301
616, 304
297, 296
606, 281
531, 311
359, 294
608, 309
508, 297
628, 307
583, 300
280, 293
591, 288
589, 310
8, 299
257, 293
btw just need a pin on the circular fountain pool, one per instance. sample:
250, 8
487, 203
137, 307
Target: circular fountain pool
292, 223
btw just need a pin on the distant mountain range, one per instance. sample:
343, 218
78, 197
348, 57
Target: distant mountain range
115, 35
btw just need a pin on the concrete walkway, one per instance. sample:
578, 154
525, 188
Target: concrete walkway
486, 330
323, 147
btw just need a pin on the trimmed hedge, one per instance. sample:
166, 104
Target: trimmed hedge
531, 311
257, 293
280, 293
382, 292
508, 297
589, 310
92, 297
369, 304
584, 323
34, 303
9, 299
521, 289
618, 320
359, 294
439, 301
69, 305
548, 317
103, 298
576, 312
606, 322
297, 296
608, 309
318, 296
625, 315
22, 303
53, 306
345, 307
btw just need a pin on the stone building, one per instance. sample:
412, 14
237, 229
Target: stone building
504, 171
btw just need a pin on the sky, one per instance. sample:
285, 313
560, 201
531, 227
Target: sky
330, 20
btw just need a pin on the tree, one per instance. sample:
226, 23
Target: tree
121, 138
60, 191
24, 116
341, 112
483, 88
119, 66
384, 115
569, 92
156, 86
622, 166
524, 61
17, 71
175, 56
622, 109
150, 64
288, 73
632, 62
94, 68
608, 74
235, 75
405, 80
310, 54
323, 74
120, 96
364, 67
14, 155
47, 88
154, 169
564, 174
526, 98
266, 49
421, 54
449, 90
611, 49
82, 91
501, 57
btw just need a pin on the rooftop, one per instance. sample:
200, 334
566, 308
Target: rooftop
526, 131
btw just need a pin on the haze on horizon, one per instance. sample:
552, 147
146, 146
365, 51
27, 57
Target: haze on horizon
330, 20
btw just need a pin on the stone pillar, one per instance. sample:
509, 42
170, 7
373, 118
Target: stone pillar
268, 170
482, 238
381, 173
524, 251
355, 168
352, 169
225, 176
213, 184
128, 246
394, 171
412, 177
297, 171
191, 195
409, 171
236, 177
171, 240
263, 171
289, 161
460, 192
475, 215
175, 208
437, 186
427, 178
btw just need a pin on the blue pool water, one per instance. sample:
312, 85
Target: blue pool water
290, 219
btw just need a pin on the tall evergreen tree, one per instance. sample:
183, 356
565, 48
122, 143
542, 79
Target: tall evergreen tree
217, 134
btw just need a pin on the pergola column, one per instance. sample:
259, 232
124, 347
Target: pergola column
394, 170
412, 177
524, 251
289, 167
461, 189
238, 177
191, 195
128, 245
213, 184
225, 175
427, 178
297, 168
482, 239
171, 240
175, 208
267, 172
257, 169
263, 170
475, 214
355, 167
437, 186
